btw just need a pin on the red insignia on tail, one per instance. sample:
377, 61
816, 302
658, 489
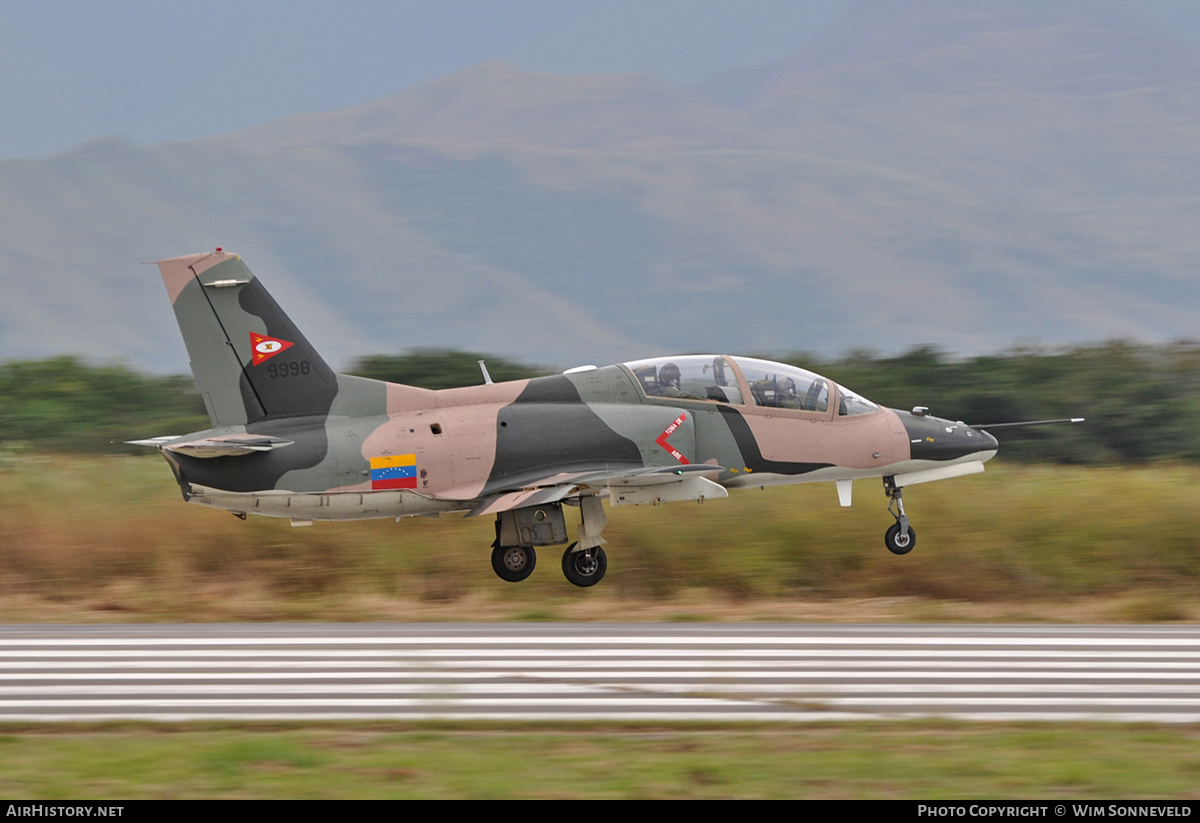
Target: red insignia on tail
264, 348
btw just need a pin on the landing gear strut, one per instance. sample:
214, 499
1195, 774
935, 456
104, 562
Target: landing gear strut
584, 563
899, 538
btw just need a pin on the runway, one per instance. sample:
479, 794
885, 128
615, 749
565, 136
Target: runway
598, 672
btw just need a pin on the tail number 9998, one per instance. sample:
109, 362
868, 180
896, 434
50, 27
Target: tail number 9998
293, 369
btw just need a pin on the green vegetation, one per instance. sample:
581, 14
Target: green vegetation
65, 405
108, 538
929, 760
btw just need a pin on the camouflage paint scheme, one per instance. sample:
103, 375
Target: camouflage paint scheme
292, 439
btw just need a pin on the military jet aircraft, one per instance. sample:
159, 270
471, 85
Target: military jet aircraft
292, 439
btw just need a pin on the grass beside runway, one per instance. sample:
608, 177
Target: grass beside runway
109, 539
913, 760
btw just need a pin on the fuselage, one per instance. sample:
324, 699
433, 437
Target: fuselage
756, 423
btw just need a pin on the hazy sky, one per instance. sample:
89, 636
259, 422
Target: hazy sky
148, 70
151, 70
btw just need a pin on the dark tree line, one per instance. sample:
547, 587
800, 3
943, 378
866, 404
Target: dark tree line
1141, 402
66, 405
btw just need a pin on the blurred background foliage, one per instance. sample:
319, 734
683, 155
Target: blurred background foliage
1142, 403
106, 536
85, 538
66, 405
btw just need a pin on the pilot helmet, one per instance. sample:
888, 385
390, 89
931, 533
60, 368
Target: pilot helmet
669, 376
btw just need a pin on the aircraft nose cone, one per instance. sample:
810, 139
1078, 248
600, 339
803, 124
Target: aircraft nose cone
991, 442
932, 438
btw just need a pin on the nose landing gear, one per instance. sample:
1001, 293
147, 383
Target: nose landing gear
899, 538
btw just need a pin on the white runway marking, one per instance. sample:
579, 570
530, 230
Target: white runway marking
790, 673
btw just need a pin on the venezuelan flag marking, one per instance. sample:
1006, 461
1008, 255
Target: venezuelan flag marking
397, 471
393, 460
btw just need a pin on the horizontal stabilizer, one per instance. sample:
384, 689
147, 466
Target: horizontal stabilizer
153, 441
223, 445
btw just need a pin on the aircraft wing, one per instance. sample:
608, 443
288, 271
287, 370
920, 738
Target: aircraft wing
222, 445
526, 497
626, 485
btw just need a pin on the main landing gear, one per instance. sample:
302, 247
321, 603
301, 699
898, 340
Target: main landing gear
584, 567
899, 538
513, 563
519, 530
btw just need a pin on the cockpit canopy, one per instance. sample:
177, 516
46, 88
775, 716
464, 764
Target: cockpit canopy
745, 381
692, 377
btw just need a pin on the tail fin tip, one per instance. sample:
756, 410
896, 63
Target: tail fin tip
177, 272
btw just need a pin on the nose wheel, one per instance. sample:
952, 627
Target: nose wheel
899, 542
900, 537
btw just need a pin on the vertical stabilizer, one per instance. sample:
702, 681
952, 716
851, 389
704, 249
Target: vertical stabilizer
248, 358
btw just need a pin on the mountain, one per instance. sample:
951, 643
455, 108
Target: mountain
965, 174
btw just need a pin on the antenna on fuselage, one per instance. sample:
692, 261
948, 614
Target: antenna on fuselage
487, 378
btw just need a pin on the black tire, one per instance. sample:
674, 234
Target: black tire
513, 563
899, 543
584, 568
